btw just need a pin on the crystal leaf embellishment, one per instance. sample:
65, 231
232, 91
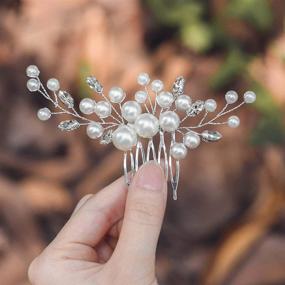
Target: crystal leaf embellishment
211, 136
66, 98
106, 137
178, 86
196, 108
94, 84
68, 125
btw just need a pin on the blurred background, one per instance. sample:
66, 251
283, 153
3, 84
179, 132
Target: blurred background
228, 225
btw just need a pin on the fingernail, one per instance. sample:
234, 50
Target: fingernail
150, 176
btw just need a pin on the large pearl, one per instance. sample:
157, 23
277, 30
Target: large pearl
141, 96
210, 105
169, 121
33, 84
156, 85
53, 84
87, 106
178, 151
131, 110
32, 71
164, 99
146, 125
103, 109
94, 130
249, 97
116, 94
44, 114
233, 121
231, 97
124, 138
143, 79
183, 103
191, 140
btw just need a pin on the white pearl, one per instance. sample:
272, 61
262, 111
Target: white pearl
140, 96
191, 140
32, 71
124, 138
183, 103
131, 110
169, 121
87, 106
164, 99
249, 97
231, 97
103, 109
53, 84
146, 125
116, 94
178, 151
33, 84
94, 130
44, 114
210, 105
143, 79
156, 85
233, 121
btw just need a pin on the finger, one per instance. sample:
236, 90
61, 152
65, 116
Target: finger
116, 229
91, 222
81, 202
104, 251
143, 217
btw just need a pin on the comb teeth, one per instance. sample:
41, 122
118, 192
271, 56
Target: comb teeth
133, 125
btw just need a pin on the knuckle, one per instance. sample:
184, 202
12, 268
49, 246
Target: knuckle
145, 212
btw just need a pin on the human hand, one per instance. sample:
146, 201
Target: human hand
111, 237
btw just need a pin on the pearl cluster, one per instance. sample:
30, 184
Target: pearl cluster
127, 123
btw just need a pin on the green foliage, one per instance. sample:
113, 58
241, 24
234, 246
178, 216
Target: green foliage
255, 12
200, 30
198, 36
179, 13
235, 64
84, 71
270, 128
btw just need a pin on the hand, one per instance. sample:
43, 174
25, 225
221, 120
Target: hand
111, 237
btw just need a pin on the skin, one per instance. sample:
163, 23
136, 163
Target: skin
111, 237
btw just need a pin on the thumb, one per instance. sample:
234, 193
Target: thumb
144, 212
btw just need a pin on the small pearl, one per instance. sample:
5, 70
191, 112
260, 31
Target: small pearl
178, 151
124, 138
131, 110
156, 85
103, 109
44, 114
117, 94
146, 125
233, 121
191, 140
140, 96
94, 130
231, 97
249, 97
169, 121
32, 71
164, 99
33, 84
87, 106
143, 79
53, 84
183, 103
210, 105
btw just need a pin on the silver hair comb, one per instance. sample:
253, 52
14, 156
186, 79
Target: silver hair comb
131, 126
